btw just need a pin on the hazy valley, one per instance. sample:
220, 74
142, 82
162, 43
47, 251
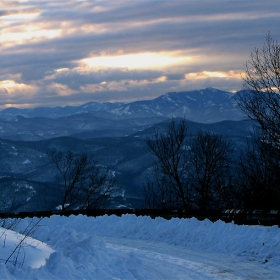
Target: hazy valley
114, 132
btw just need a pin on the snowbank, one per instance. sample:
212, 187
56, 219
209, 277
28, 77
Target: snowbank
81, 254
16, 247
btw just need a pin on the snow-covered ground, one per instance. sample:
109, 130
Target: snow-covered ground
130, 247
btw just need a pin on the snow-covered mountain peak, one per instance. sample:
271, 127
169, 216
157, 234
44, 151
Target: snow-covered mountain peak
202, 105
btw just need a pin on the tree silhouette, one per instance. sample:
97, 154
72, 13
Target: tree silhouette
209, 170
260, 101
169, 148
82, 183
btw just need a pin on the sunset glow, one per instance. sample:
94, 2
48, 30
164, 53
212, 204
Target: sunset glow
135, 61
20, 16
214, 74
8, 84
11, 39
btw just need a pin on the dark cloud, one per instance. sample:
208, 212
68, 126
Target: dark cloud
177, 76
75, 80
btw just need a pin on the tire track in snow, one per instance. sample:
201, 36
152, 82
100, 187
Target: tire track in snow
162, 261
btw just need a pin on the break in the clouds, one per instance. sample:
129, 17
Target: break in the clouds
71, 52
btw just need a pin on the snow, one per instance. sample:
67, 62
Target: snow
130, 247
30, 252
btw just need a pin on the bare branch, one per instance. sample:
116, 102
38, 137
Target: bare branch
84, 184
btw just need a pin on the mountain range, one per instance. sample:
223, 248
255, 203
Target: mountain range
196, 105
117, 119
115, 133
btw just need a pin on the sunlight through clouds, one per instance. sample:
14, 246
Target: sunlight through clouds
135, 61
14, 16
12, 90
56, 52
122, 85
214, 74
9, 84
27, 36
62, 90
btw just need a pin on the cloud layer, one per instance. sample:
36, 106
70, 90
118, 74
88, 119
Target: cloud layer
71, 52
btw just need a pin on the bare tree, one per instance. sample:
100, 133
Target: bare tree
160, 192
258, 174
209, 170
260, 99
170, 150
83, 184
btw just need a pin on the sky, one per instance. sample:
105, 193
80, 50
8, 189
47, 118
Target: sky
59, 53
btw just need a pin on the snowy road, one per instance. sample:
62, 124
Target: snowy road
142, 248
152, 260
